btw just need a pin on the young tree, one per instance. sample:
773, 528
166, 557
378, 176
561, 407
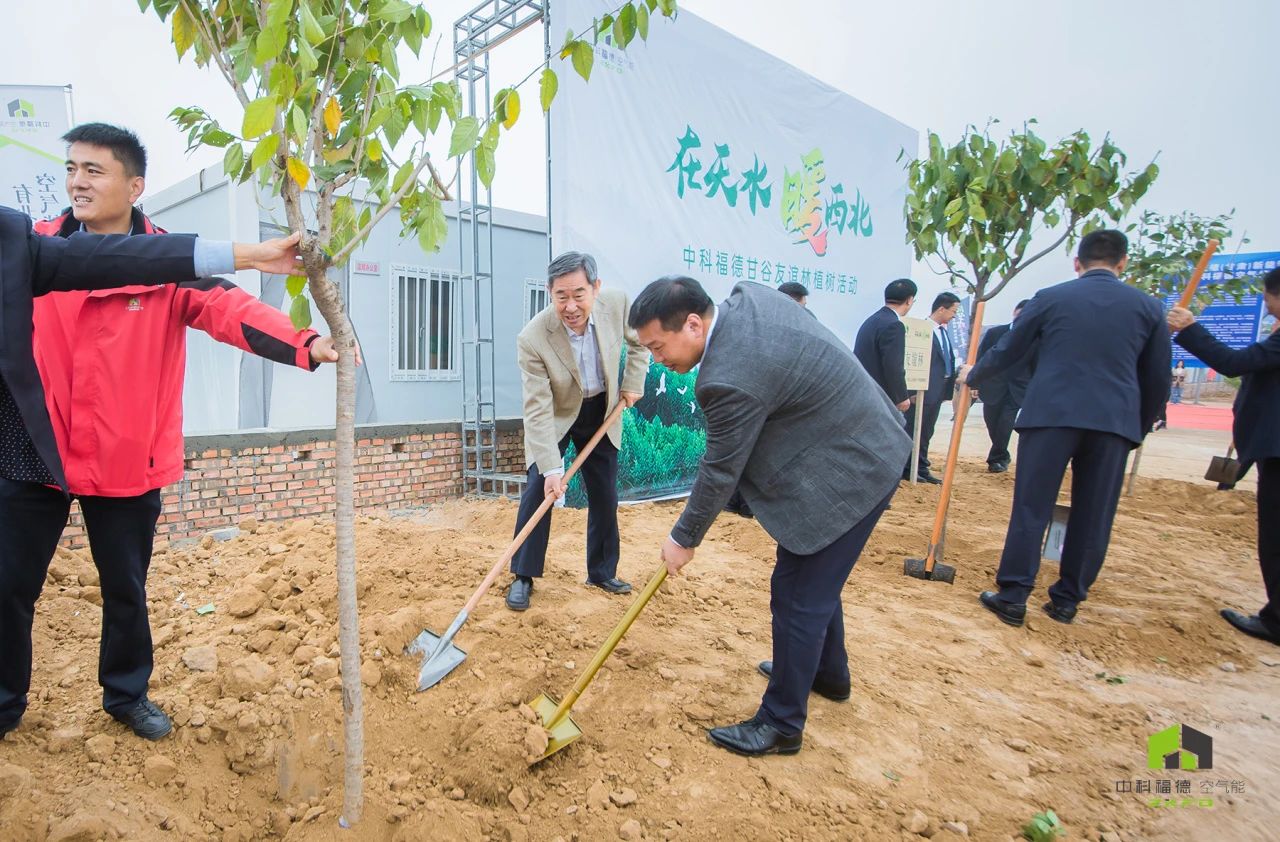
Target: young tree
325, 115
1163, 250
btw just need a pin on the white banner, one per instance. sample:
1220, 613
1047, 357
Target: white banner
699, 154
33, 118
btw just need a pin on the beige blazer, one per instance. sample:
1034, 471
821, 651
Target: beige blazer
551, 381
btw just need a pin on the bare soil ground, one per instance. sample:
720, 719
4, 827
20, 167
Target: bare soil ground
954, 718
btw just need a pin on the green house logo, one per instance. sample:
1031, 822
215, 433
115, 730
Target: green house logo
1180, 747
21, 108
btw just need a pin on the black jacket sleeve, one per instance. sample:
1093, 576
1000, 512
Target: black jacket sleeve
93, 261
1154, 377
891, 345
1231, 362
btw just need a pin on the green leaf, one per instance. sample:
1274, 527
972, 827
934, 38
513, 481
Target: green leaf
258, 117
465, 132
279, 12
264, 150
298, 124
393, 11
627, 22
300, 313
402, 175
547, 87
490, 139
312, 32
373, 148
485, 165
642, 21
294, 284
233, 160
270, 44
584, 56
434, 227
308, 61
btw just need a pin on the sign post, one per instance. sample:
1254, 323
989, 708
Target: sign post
917, 358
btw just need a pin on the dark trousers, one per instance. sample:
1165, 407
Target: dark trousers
808, 623
600, 475
927, 423
999, 417
1097, 462
1269, 538
120, 532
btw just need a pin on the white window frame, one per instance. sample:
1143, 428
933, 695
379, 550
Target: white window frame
532, 287
421, 274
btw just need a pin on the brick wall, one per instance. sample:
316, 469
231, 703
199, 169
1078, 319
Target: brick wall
279, 475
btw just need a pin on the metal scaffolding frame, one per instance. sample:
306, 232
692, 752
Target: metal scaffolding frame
475, 34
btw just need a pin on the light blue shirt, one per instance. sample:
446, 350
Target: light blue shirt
213, 257
586, 350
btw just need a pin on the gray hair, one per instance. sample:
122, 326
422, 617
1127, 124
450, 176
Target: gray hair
569, 262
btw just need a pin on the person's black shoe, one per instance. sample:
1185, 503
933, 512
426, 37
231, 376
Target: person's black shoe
997, 467
754, 738
835, 693
145, 719
614, 585
518, 593
1009, 613
1061, 613
1251, 624
929, 478
740, 507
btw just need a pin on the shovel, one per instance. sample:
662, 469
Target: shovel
441, 656
1224, 470
561, 729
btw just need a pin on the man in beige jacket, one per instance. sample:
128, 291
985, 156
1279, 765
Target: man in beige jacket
570, 355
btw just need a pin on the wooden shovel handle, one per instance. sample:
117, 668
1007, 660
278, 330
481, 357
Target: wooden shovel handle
542, 510
1194, 283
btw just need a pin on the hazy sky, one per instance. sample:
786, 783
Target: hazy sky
1195, 84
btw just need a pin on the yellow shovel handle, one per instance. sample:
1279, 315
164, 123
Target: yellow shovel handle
609, 645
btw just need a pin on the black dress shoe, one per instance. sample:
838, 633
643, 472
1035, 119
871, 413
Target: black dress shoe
836, 693
1061, 613
997, 467
755, 738
1252, 625
145, 719
518, 593
1008, 612
614, 585
929, 478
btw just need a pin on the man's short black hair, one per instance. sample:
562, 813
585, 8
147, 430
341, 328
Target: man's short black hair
944, 301
900, 291
670, 300
1105, 247
1023, 303
794, 289
123, 144
1271, 281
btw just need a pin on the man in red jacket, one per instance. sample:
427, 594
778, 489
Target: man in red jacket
112, 364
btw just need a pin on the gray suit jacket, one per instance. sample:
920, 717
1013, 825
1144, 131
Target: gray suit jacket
794, 422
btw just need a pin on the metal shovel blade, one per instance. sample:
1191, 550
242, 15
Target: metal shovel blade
434, 669
565, 731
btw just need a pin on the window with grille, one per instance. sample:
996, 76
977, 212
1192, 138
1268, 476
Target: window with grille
535, 297
424, 304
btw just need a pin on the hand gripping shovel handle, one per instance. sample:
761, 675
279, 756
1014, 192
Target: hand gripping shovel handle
609, 645
522, 535
953, 452
1194, 283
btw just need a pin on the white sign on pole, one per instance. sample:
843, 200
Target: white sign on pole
696, 153
918, 352
33, 118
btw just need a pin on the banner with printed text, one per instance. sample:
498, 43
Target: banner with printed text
32, 119
698, 154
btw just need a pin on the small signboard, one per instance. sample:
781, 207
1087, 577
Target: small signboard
919, 353
366, 267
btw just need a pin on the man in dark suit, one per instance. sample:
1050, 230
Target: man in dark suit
942, 384
881, 342
1002, 396
793, 422
1257, 436
1102, 371
32, 482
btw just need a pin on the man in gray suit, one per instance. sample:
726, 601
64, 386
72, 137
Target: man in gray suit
815, 447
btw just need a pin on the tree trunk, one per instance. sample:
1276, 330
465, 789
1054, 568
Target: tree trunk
329, 301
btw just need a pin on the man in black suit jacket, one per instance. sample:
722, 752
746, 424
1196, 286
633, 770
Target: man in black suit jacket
882, 341
1257, 435
1002, 396
1102, 370
942, 384
31, 475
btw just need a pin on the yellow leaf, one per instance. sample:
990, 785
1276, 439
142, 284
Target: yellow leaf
513, 109
332, 116
300, 172
184, 31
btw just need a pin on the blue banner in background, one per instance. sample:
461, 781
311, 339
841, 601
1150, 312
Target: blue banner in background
1238, 324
